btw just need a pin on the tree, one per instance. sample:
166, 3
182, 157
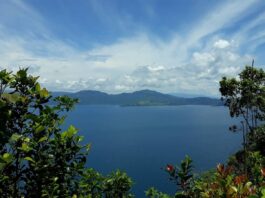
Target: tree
245, 98
37, 158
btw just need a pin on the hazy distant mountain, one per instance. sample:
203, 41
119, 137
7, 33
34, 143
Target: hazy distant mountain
189, 95
137, 98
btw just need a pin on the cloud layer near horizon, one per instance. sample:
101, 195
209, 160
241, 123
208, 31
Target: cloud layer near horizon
215, 45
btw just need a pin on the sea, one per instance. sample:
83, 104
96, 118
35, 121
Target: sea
143, 140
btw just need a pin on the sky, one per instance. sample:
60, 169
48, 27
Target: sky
172, 46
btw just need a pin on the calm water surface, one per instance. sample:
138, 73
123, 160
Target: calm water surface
142, 140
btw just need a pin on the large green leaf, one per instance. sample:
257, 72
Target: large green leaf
12, 98
15, 137
7, 157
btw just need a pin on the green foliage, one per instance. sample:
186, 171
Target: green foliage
225, 182
153, 193
257, 140
117, 184
182, 175
245, 97
219, 183
244, 174
91, 184
37, 158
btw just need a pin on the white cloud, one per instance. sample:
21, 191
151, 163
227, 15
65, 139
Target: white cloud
156, 68
221, 44
183, 63
203, 59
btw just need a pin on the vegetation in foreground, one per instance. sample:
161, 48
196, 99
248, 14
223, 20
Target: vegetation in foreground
244, 174
38, 159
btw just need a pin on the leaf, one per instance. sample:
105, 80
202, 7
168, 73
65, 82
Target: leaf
71, 131
254, 196
80, 138
2, 103
7, 157
263, 192
22, 73
88, 147
234, 189
37, 87
55, 179
25, 147
29, 159
12, 98
15, 137
44, 93
248, 184
40, 128
27, 139
42, 139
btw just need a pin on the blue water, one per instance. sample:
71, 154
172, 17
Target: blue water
142, 140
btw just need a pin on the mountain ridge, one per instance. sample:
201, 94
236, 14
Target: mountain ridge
144, 97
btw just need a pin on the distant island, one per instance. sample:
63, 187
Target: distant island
137, 98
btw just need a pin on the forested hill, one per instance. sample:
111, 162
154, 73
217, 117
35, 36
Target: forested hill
137, 98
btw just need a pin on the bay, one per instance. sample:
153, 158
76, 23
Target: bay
142, 140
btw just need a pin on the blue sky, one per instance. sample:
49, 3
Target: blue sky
126, 45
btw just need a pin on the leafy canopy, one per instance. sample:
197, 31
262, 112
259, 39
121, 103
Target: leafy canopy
37, 158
